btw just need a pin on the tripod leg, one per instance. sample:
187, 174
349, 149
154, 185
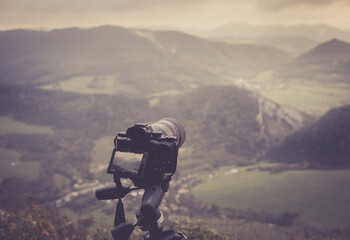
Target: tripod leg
119, 213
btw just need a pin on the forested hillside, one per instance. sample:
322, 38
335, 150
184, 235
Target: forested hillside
229, 124
324, 144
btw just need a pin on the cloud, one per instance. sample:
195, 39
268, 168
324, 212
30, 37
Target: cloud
282, 4
200, 14
85, 13
88, 6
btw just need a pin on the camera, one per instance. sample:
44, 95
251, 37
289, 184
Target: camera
147, 153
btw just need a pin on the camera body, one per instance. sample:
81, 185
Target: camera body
146, 154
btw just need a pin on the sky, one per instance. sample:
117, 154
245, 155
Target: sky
181, 14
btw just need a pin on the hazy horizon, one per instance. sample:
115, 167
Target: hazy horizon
183, 15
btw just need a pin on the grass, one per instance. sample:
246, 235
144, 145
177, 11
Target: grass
187, 164
104, 84
69, 213
317, 196
240, 229
101, 154
10, 163
309, 96
60, 180
9, 126
85, 85
11, 166
154, 98
165, 93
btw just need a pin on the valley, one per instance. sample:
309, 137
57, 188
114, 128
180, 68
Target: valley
245, 122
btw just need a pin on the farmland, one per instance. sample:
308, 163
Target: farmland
315, 195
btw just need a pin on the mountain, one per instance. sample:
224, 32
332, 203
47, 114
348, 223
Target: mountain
220, 57
229, 125
294, 39
35, 57
90, 116
294, 45
324, 144
156, 60
224, 125
329, 61
333, 48
317, 32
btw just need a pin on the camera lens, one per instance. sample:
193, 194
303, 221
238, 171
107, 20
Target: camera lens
170, 127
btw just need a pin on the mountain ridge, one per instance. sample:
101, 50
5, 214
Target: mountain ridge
319, 32
327, 50
328, 61
32, 57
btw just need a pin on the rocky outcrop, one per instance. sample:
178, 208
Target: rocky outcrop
277, 121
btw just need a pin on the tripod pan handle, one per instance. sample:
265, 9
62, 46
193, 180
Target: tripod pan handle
151, 200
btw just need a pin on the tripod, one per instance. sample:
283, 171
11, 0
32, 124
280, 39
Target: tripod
148, 217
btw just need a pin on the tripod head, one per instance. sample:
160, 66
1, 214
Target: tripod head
148, 217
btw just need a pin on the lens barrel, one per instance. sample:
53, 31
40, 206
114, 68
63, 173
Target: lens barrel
170, 127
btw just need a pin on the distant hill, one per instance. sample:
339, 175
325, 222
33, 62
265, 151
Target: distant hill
295, 45
151, 61
223, 123
294, 39
88, 116
226, 59
229, 124
333, 48
317, 32
329, 61
322, 144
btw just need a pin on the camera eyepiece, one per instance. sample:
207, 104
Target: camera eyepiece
170, 127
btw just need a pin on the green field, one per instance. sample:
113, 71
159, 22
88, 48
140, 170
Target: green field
309, 96
9, 126
12, 166
317, 196
101, 154
104, 84
10, 163
85, 85
60, 180
240, 229
187, 164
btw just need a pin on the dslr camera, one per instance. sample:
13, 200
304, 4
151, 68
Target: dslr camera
147, 153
